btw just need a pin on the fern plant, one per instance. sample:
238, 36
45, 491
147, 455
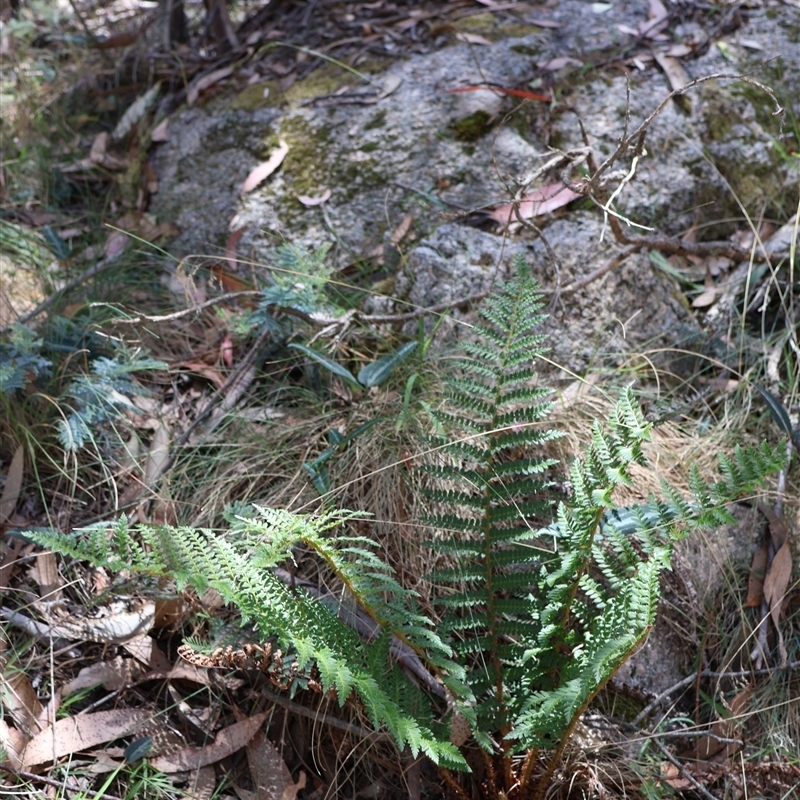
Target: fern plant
537, 616
100, 397
240, 568
542, 616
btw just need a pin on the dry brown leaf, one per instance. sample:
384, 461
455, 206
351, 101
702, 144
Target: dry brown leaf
678, 51
146, 651
151, 178
204, 82
755, 581
269, 772
45, 573
676, 75
171, 612
658, 19
7, 568
265, 169
232, 244
544, 23
226, 350
161, 131
201, 368
98, 149
112, 675
709, 748
778, 531
473, 38
117, 241
158, 455
776, 585
13, 486
705, 299
227, 741
13, 743
314, 201
390, 86
401, 231
21, 702
559, 62
541, 201
125, 39
82, 732
98, 154
202, 783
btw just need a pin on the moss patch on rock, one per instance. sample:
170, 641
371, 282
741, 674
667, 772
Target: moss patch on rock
313, 163
736, 120
324, 80
252, 97
473, 127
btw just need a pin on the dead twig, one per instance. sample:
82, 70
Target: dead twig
30, 776
317, 320
706, 673
615, 262
699, 788
86, 275
625, 141
327, 719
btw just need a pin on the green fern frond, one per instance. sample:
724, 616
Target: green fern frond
492, 495
239, 568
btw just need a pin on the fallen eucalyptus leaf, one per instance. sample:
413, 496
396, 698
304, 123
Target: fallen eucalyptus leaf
265, 169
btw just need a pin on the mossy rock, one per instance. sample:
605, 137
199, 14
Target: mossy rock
736, 119
324, 80
312, 162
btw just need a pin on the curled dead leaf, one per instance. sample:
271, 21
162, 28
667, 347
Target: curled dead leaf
314, 201
227, 741
541, 201
204, 82
265, 169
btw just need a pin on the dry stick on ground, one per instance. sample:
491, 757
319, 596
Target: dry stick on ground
86, 275
699, 788
318, 320
30, 776
706, 673
318, 716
